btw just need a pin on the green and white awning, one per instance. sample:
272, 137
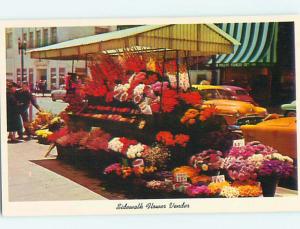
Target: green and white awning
258, 44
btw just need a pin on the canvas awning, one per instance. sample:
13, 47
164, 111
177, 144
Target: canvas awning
258, 44
198, 39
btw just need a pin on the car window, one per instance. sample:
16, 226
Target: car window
224, 94
241, 92
208, 94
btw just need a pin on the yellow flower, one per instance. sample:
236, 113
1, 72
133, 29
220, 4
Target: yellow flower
204, 167
216, 188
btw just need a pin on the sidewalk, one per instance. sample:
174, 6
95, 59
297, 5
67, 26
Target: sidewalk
28, 181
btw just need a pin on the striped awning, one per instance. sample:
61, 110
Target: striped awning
258, 44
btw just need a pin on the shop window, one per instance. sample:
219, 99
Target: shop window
53, 35
38, 39
53, 78
30, 42
62, 73
8, 40
45, 37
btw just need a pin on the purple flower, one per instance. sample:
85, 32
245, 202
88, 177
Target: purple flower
276, 168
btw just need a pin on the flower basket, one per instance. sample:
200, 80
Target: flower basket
268, 185
82, 158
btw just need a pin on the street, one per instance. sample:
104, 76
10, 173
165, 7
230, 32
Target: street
47, 104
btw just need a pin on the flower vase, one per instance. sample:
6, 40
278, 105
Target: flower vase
268, 185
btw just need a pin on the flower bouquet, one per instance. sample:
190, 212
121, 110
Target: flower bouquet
210, 162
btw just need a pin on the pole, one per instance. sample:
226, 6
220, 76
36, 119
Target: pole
22, 64
162, 82
177, 71
72, 65
188, 67
86, 65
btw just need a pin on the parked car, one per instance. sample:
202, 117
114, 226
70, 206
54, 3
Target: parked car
289, 109
279, 133
59, 94
239, 93
232, 110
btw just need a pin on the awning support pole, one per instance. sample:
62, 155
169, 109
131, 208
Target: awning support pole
86, 65
177, 71
187, 55
162, 82
72, 65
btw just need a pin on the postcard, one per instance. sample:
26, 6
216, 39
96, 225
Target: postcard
149, 116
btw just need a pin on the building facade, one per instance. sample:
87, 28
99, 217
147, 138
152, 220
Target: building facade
53, 71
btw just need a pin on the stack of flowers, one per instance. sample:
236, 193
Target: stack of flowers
157, 155
72, 138
248, 189
198, 191
192, 116
229, 192
126, 171
208, 160
43, 135
255, 160
96, 140
159, 186
129, 148
216, 187
168, 139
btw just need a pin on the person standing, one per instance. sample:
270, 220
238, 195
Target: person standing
14, 123
25, 98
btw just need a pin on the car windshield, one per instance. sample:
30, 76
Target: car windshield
208, 94
241, 92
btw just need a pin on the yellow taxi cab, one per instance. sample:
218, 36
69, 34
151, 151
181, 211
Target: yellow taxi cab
232, 110
280, 133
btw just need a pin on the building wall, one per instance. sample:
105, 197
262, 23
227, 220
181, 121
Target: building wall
52, 71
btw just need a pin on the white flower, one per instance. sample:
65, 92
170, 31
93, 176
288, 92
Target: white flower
139, 89
229, 192
135, 150
288, 159
115, 144
256, 160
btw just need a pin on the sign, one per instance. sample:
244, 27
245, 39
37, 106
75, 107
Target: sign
218, 179
239, 142
181, 177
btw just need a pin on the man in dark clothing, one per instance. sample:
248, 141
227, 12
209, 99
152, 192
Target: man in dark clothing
25, 98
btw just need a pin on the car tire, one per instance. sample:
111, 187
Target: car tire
53, 99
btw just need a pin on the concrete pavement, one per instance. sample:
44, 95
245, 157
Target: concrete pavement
30, 182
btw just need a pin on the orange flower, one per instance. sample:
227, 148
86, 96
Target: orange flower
165, 137
182, 139
216, 188
207, 113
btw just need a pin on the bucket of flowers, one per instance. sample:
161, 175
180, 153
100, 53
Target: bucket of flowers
258, 162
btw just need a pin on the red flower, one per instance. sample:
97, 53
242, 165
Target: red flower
191, 98
57, 134
126, 143
165, 137
134, 62
169, 100
155, 107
